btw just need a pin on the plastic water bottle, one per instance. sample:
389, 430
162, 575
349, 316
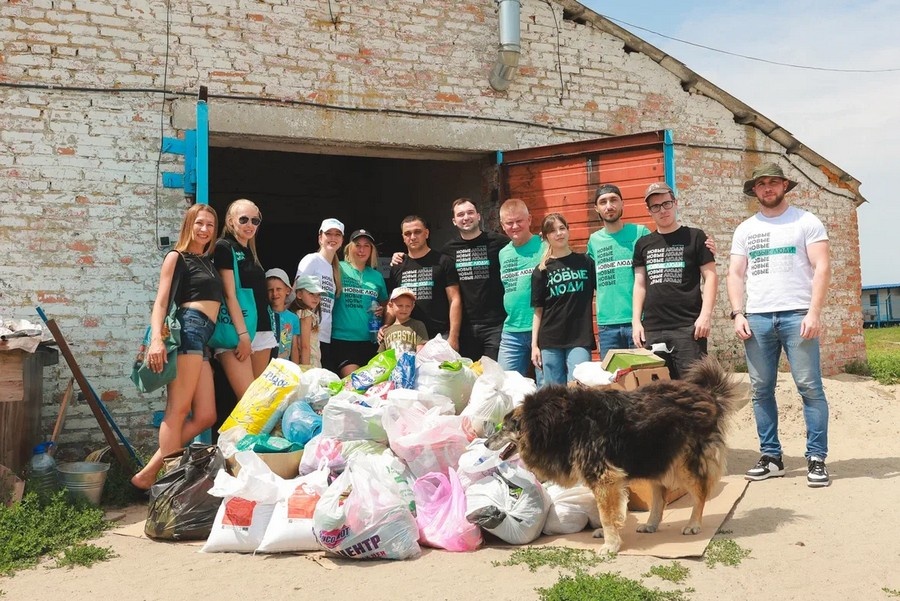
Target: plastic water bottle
43, 477
374, 321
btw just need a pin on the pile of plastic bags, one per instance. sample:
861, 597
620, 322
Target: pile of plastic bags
393, 458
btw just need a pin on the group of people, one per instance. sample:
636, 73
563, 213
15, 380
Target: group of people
522, 299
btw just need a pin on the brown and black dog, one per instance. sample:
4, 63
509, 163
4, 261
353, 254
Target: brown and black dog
671, 433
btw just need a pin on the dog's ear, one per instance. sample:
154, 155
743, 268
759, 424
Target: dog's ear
511, 421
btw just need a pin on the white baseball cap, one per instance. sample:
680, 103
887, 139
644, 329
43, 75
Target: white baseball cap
331, 224
402, 291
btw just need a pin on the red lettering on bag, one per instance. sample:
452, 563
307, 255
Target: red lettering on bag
238, 512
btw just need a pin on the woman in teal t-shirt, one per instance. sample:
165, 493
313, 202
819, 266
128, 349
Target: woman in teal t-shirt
351, 339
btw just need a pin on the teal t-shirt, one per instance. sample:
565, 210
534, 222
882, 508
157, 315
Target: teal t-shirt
350, 320
516, 266
612, 254
289, 326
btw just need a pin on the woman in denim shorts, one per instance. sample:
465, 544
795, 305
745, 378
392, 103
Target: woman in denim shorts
189, 278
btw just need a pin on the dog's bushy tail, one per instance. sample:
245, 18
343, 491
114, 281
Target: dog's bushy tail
707, 373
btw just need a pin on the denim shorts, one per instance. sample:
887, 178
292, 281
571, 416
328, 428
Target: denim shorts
196, 330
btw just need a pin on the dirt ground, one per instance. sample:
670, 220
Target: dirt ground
830, 544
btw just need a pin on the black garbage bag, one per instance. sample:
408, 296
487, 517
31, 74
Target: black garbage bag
180, 506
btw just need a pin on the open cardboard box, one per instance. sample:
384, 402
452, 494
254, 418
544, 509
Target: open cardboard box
644, 367
286, 465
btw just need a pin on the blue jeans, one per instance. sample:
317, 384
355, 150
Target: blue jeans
196, 330
559, 363
616, 336
515, 354
770, 333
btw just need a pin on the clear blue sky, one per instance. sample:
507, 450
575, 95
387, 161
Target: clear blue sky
852, 119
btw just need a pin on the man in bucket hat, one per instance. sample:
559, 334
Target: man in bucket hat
780, 255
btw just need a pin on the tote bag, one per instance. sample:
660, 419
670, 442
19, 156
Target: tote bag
225, 335
144, 378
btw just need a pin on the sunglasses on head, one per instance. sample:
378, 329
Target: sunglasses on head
243, 219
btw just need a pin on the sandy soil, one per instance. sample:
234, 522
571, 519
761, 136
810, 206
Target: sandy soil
837, 543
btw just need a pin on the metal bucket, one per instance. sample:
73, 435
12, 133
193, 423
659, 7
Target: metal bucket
84, 479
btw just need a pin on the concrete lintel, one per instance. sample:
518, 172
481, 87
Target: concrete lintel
295, 128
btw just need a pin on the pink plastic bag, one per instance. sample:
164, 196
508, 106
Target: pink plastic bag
426, 441
441, 513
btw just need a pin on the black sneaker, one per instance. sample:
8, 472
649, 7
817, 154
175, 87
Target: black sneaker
767, 467
817, 474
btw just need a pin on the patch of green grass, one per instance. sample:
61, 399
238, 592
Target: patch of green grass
82, 554
118, 491
858, 368
554, 557
724, 551
883, 350
30, 529
612, 587
891, 592
674, 572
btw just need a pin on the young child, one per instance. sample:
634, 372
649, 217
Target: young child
287, 336
307, 307
405, 334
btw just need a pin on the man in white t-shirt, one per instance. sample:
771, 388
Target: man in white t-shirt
781, 253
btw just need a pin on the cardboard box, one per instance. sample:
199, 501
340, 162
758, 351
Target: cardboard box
640, 495
11, 486
286, 465
640, 367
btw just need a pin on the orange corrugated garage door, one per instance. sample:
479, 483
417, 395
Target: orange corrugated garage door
563, 177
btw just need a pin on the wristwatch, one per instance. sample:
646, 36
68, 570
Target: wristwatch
736, 313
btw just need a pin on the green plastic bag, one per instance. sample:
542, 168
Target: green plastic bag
376, 371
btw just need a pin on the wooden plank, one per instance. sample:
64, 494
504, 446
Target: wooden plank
61, 417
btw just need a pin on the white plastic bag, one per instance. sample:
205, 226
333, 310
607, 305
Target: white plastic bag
510, 503
363, 514
404, 398
291, 525
249, 500
425, 440
488, 403
436, 350
322, 451
453, 380
571, 509
478, 461
347, 417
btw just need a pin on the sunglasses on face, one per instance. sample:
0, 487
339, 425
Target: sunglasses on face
668, 204
243, 219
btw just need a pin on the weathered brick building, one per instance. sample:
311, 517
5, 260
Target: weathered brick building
365, 111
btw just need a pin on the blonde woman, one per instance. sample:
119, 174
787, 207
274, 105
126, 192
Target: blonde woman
189, 279
352, 344
324, 263
562, 289
238, 241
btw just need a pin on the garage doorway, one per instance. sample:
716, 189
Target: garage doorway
295, 191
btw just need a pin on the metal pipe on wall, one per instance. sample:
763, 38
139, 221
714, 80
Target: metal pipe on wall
504, 70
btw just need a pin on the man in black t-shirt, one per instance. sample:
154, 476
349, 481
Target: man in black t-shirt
674, 284
476, 256
433, 278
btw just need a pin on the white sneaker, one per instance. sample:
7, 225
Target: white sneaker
817, 474
766, 467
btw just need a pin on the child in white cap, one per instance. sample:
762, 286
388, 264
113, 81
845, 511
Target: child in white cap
307, 306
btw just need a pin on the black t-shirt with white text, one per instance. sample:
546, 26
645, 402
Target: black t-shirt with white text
477, 262
673, 264
428, 276
251, 275
565, 290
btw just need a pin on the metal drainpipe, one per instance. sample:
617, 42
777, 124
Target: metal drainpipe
504, 70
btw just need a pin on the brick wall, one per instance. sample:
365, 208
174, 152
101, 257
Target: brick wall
78, 197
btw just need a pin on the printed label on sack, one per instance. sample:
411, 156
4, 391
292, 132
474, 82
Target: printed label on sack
332, 538
367, 548
238, 513
301, 504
